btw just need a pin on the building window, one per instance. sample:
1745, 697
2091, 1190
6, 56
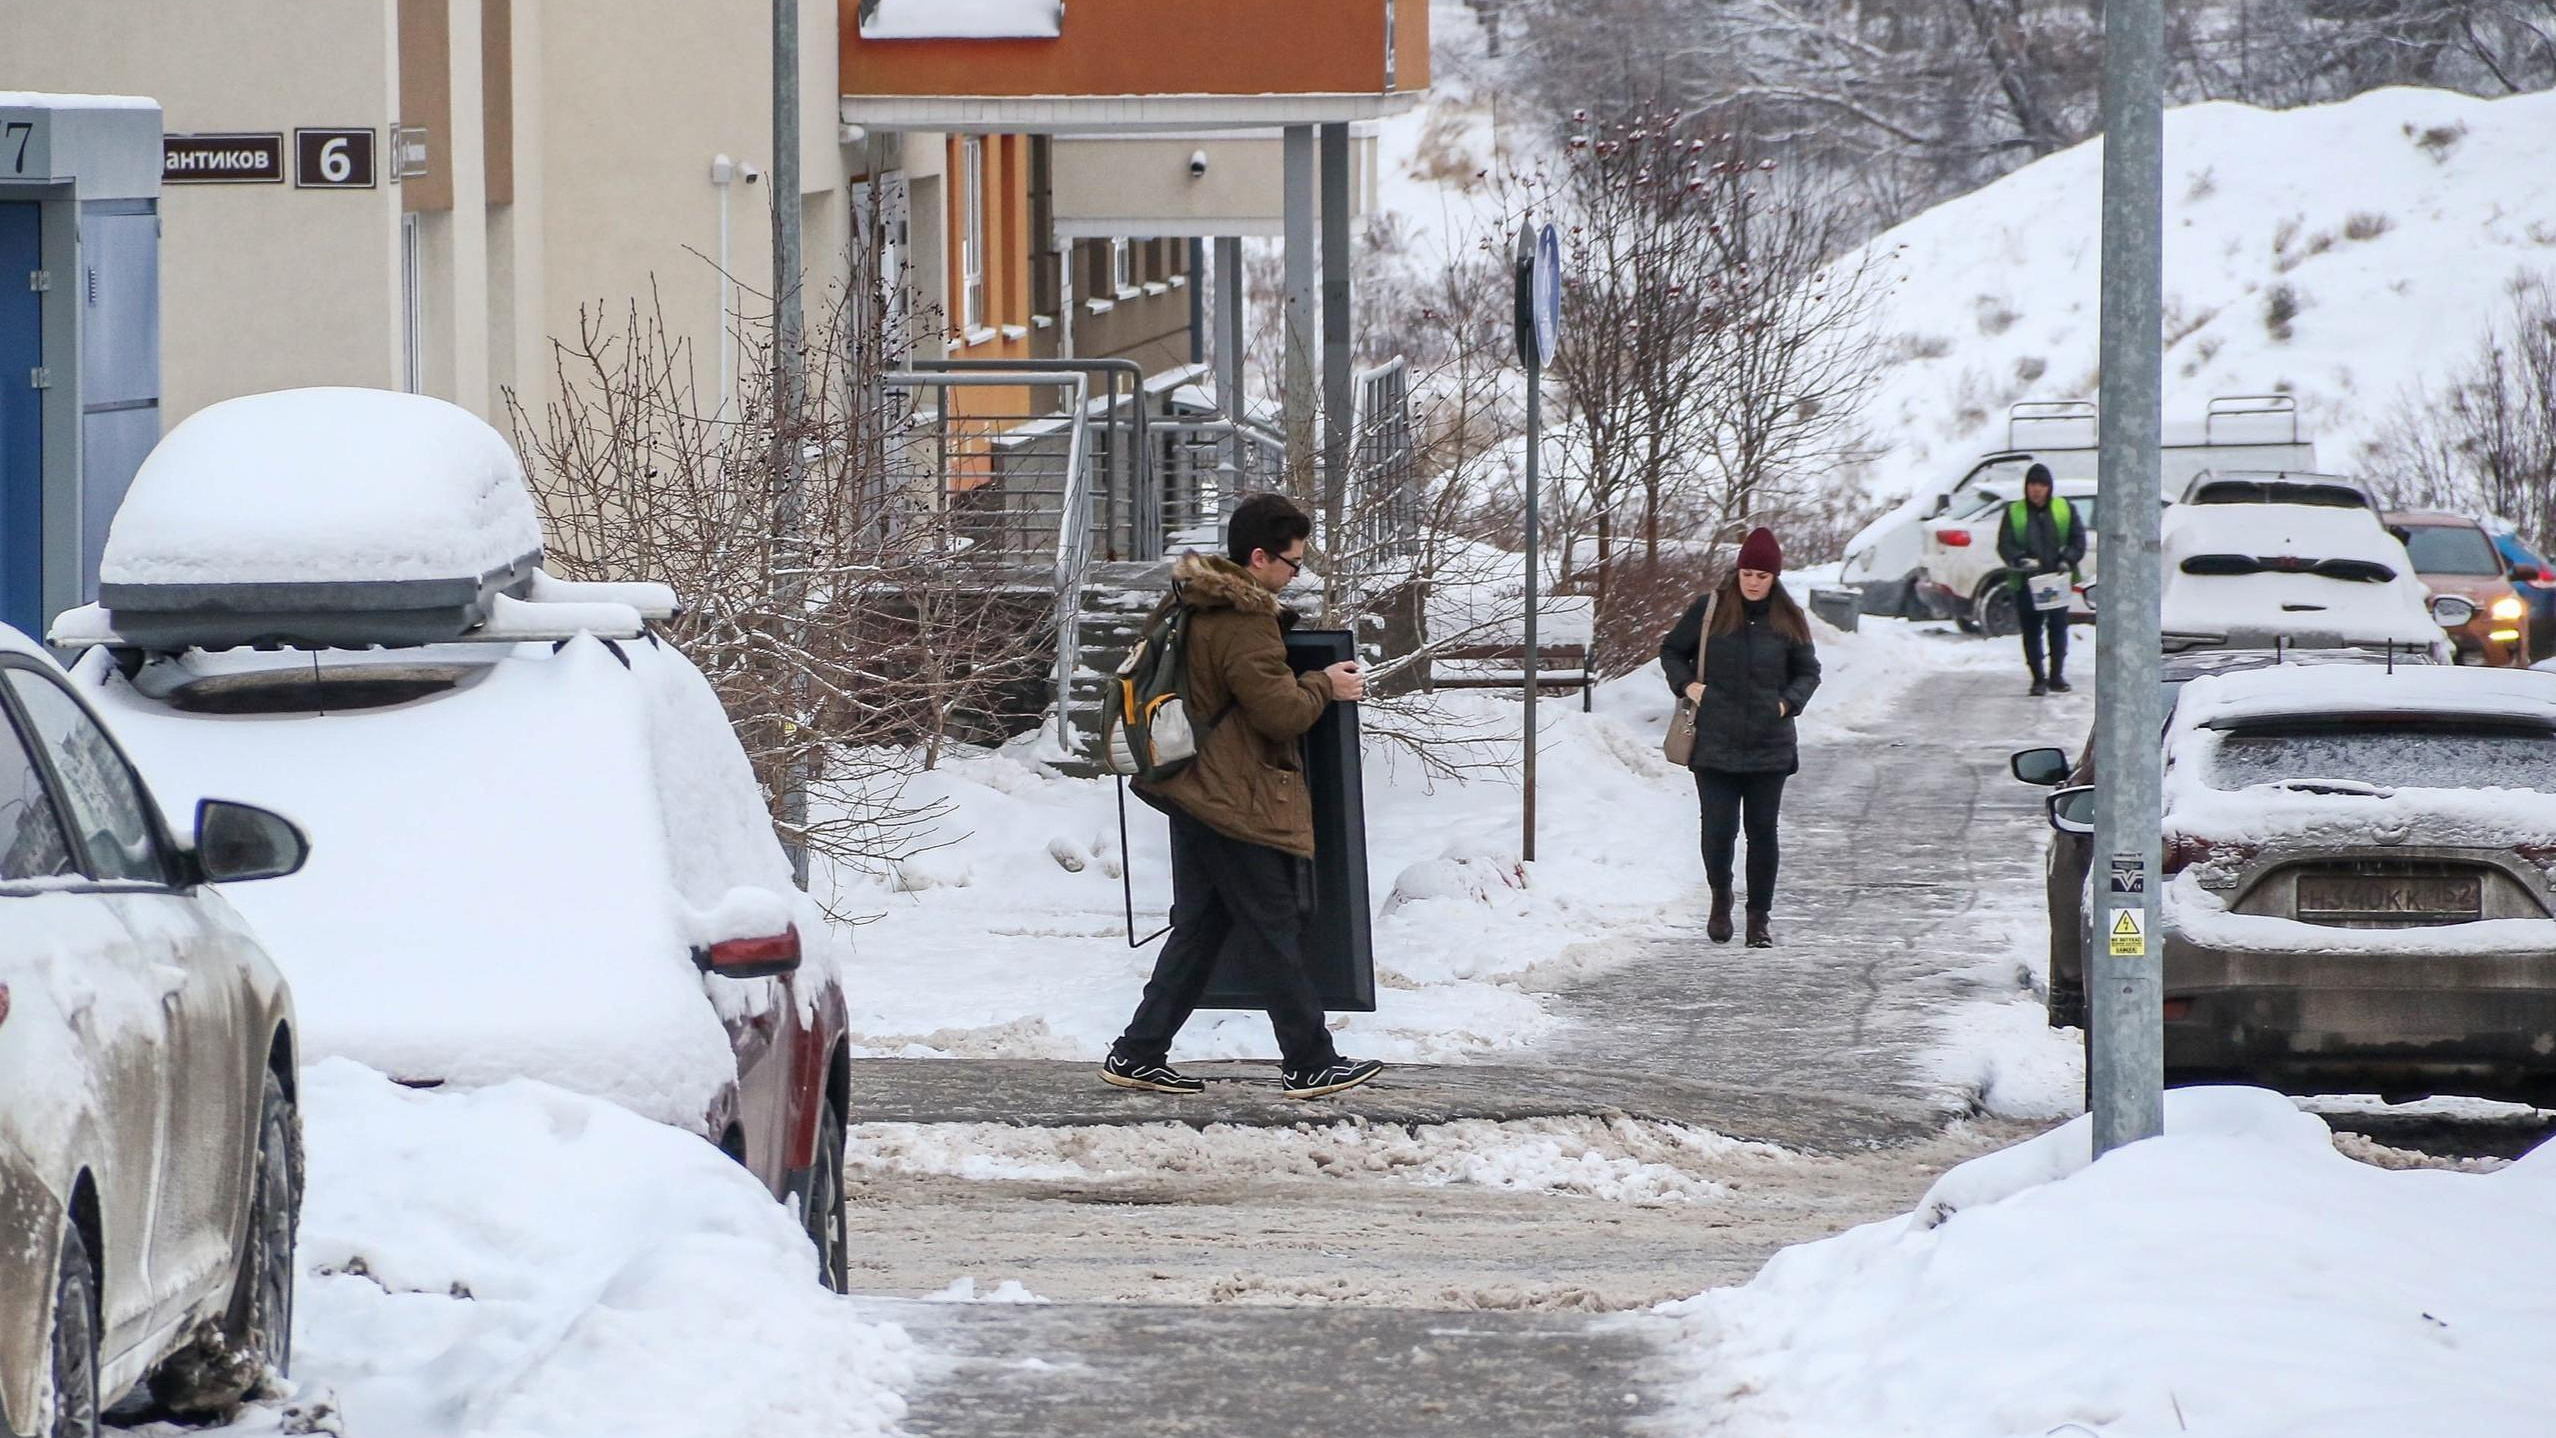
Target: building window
972, 234
1122, 265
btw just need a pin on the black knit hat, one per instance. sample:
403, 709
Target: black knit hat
2039, 474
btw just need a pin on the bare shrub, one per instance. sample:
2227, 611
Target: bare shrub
2485, 441
2280, 309
847, 635
2367, 225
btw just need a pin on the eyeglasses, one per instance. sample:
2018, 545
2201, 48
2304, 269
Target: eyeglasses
1294, 566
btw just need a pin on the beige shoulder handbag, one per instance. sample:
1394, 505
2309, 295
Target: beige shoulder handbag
1679, 746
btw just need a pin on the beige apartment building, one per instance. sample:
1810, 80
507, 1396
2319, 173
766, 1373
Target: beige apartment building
421, 194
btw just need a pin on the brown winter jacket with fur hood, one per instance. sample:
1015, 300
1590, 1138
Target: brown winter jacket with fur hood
1248, 781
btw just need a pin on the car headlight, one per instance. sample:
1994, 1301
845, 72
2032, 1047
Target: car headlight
2507, 608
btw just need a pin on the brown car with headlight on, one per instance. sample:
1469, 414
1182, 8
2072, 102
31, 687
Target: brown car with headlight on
2454, 555
2361, 881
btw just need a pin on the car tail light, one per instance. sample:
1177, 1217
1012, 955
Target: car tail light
2177, 1010
2184, 850
1957, 538
760, 958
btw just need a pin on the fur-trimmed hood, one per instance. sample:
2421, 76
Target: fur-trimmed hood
1209, 581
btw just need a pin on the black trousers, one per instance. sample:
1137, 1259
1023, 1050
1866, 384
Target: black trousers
2037, 622
1219, 886
1726, 799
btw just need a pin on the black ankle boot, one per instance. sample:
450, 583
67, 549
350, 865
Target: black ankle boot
1718, 927
1758, 937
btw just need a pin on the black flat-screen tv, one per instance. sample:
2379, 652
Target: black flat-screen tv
1339, 942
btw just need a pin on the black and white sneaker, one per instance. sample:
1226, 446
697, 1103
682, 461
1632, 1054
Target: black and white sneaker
1121, 1072
1339, 1074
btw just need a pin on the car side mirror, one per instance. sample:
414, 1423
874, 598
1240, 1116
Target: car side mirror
2402, 534
2043, 767
2072, 810
2449, 611
1942, 503
238, 842
763, 958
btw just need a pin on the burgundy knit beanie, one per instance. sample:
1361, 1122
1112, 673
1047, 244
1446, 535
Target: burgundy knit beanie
1760, 551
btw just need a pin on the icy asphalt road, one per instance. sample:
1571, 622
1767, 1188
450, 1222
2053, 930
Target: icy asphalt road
1445, 1268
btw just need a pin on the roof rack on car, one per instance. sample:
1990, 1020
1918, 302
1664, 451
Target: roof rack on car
2047, 412
519, 604
2234, 406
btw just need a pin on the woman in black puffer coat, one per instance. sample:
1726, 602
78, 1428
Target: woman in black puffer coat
1743, 654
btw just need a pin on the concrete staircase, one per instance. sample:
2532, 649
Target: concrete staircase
1117, 597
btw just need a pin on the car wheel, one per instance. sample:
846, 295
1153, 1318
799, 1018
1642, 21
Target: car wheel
1994, 612
823, 1210
262, 1312
75, 1343
228, 1362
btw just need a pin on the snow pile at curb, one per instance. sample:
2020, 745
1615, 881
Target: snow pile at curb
1613, 1160
2236, 1277
520, 1260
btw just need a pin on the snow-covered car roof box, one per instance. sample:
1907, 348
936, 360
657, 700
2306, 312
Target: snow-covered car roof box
320, 517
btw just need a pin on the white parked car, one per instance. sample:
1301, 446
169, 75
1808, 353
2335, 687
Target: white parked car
541, 850
2260, 576
1964, 580
1887, 564
150, 1152
2362, 880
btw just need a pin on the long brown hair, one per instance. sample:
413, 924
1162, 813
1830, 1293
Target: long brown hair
1730, 610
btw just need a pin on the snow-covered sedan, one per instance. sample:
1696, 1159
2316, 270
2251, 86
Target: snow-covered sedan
2361, 887
540, 850
2260, 576
150, 1154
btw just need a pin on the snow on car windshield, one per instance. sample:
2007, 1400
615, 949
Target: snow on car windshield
2451, 549
2396, 755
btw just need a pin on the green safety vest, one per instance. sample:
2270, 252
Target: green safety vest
2063, 517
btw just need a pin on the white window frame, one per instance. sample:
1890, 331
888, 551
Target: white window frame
1122, 266
971, 234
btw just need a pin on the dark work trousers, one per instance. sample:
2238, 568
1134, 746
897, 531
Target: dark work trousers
1217, 884
2037, 622
1725, 797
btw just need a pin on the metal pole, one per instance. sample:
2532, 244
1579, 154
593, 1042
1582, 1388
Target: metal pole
2125, 1045
1339, 408
1533, 355
1296, 381
1229, 356
788, 273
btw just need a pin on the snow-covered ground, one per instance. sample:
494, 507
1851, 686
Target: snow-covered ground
1617, 1160
1009, 939
2342, 253
520, 1261
2237, 1277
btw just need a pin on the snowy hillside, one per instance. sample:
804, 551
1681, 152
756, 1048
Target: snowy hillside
2344, 254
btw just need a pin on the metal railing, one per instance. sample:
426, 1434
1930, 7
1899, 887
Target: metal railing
1207, 466
1382, 513
1128, 524
1011, 483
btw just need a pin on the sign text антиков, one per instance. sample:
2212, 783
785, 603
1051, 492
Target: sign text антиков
222, 159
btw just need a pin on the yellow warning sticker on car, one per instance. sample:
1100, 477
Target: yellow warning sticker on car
2129, 934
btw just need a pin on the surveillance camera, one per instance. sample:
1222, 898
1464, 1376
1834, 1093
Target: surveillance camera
752, 175
1197, 163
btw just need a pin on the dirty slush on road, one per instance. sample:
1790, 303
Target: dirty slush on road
1709, 1107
